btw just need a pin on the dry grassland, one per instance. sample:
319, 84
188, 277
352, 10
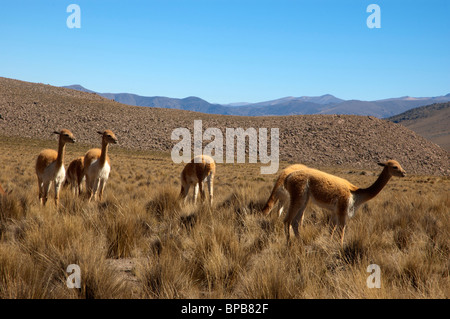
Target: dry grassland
140, 242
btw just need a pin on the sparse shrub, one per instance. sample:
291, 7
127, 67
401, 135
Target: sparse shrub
13, 207
166, 277
402, 238
188, 221
122, 234
274, 276
164, 204
353, 251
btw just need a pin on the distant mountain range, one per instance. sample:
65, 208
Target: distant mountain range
325, 104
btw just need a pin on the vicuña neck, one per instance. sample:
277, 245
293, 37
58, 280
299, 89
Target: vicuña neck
60, 158
365, 194
104, 153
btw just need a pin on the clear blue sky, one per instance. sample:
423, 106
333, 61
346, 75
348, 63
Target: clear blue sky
231, 50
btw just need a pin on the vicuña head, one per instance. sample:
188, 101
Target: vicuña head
97, 166
331, 192
201, 168
50, 167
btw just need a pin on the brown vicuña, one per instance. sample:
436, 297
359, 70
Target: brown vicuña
50, 167
331, 192
74, 175
201, 168
279, 193
97, 166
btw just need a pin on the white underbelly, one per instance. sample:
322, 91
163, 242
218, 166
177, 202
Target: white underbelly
52, 174
351, 207
333, 206
99, 172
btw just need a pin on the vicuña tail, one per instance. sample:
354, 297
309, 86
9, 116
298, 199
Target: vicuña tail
273, 196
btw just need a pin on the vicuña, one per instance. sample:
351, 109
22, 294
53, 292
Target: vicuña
50, 167
331, 192
97, 166
201, 168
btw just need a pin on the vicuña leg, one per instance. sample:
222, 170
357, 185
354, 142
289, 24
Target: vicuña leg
196, 188
41, 191
57, 189
340, 227
295, 214
202, 189
95, 189
210, 188
101, 189
46, 189
184, 192
283, 199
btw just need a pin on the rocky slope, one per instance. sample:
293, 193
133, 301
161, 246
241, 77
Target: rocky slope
430, 121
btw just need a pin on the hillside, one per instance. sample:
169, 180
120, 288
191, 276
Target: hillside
430, 121
36, 110
304, 105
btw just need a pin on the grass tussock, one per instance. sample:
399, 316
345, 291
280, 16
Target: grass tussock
142, 242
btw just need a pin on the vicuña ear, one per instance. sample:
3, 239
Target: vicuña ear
56, 132
381, 164
101, 133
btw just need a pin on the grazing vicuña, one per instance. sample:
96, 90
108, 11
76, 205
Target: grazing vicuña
201, 168
331, 192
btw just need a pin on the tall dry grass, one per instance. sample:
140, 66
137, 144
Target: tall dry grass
140, 242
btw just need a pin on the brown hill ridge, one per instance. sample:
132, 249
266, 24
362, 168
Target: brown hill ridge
430, 121
36, 110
